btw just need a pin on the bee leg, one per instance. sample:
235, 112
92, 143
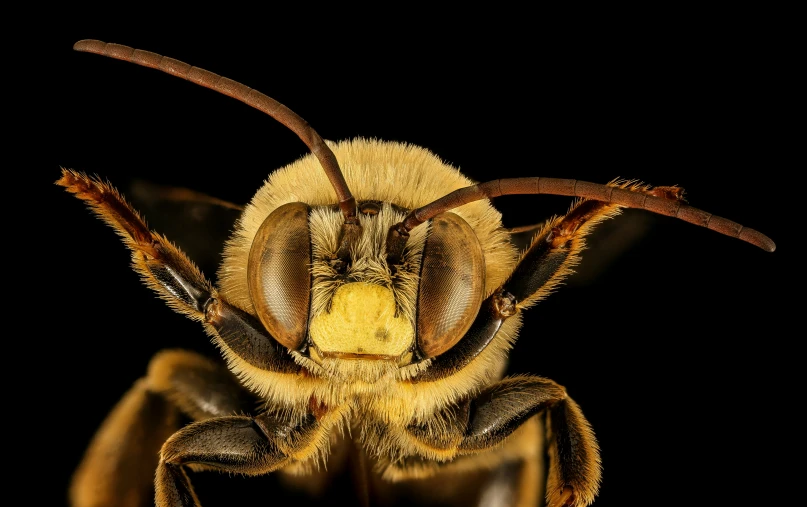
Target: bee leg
553, 252
574, 460
199, 223
200, 387
245, 445
478, 429
118, 466
167, 271
555, 249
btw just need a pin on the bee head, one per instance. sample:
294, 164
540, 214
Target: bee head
365, 304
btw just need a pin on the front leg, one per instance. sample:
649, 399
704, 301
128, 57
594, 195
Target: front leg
480, 425
245, 445
167, 271
554, 250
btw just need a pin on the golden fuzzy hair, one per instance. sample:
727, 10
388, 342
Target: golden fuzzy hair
398, 174
402, 174
369, 258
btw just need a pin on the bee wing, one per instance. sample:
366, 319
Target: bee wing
197, 223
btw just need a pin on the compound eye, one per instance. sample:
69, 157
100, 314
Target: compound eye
278, 273
452, 282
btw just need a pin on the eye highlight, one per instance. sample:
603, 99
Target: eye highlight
452, 284
279, 276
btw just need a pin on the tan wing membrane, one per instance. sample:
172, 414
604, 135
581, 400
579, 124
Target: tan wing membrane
279, 276
452, 284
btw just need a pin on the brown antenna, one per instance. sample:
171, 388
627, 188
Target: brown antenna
245, 94
396, 238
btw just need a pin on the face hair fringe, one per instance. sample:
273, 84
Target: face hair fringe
371, 254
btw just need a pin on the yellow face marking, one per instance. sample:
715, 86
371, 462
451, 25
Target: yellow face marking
362, 321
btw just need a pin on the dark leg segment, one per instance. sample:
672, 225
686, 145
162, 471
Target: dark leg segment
553, 252
574, 471
252, 446
198, 386
167, 271
497, 307
556, 247
504, 406
118, 467
574, 458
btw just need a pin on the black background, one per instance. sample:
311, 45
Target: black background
672, 338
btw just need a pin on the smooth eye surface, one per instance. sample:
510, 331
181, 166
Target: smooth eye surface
452, 282
278, 271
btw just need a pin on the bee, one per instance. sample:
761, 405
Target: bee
366, 306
